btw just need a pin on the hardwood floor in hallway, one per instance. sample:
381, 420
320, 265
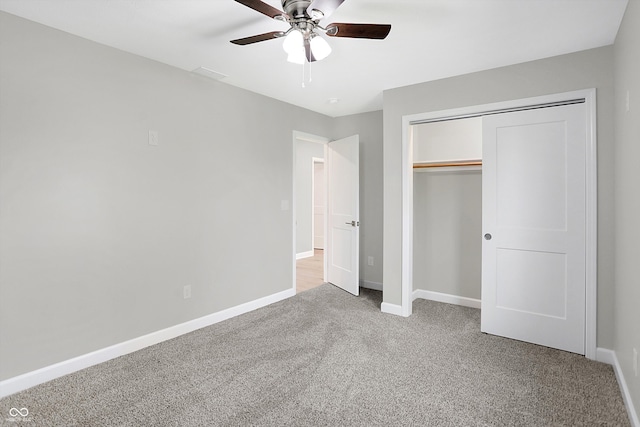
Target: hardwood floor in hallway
309, 271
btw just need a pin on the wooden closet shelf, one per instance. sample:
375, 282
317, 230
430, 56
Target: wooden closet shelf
447, 164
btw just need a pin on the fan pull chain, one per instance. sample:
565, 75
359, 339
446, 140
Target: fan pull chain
304, 75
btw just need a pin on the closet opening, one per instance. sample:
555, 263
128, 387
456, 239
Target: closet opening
447, 211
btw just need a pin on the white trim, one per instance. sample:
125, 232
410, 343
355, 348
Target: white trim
589, 96
605, 355
407, 217
609, 356
48, 373
303, 255
446, 298
371, 285
326, 250
591, 224
395, 309
302, 136
309, 137
315, 160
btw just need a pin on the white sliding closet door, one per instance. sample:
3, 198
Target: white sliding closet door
533, 255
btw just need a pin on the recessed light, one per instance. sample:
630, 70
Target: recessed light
333, 100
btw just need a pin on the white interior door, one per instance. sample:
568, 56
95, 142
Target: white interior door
343, 214
533, 256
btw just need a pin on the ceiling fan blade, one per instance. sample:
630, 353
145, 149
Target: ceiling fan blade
262, 7
325, 6
307, 51
258, 38
359, 31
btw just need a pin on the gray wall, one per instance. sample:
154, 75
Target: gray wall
101, 231
369, 127
627, 196
447, 209
305, 152
587, 69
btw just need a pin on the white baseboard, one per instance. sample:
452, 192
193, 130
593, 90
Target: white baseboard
48, 373
605, 355
371, 285
447, 298
307, 254
609, 356
385, 307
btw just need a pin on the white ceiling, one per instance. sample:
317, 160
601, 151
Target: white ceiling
429, 39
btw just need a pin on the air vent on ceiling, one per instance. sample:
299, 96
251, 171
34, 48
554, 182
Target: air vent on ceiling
209, 73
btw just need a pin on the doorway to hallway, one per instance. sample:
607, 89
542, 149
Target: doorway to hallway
309, 271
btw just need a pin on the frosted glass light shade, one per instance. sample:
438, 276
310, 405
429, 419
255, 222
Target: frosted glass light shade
297, 56
320, 48
293, 42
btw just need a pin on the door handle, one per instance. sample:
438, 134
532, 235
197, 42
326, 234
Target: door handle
353, 223
487, 236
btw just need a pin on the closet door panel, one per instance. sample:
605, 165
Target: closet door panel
530, 162
533, 278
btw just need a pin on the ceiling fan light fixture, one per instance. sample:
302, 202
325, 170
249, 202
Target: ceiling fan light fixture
303, 18
293, 42
319, 47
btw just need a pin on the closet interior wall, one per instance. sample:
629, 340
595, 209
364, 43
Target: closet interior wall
448, 208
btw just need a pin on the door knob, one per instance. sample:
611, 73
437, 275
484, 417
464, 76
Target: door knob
487, 236
353, 223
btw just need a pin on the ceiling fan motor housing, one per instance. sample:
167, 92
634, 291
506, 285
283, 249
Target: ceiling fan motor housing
296, 9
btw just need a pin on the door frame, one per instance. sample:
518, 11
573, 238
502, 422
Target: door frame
591, 178
315, 160
303, 136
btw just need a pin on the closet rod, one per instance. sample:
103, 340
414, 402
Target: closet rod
447, 164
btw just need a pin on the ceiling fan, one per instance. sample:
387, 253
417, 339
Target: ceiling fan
304, 16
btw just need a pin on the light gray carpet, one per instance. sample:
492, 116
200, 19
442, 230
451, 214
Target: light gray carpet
325, 358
